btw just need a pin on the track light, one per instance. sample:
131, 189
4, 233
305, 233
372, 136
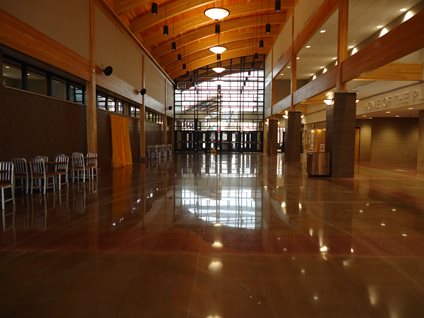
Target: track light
277, 5
165, 30
268, 28
173, 45
154, 8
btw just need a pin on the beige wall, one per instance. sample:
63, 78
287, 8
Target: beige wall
117, 49
302, 12
73, 32
283, 42
169, 98
365, 139
394, 141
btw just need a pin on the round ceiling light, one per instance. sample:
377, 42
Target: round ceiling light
216, 13
218, 69
218, 49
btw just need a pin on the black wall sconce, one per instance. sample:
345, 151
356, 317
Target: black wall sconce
142, 91
108, 70
169, 107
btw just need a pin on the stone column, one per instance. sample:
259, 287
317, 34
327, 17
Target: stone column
293, 138
340, 135
272, 136
420, 151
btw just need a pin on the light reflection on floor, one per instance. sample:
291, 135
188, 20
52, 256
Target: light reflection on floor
230, 235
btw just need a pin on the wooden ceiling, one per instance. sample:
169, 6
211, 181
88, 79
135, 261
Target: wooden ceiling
194, 33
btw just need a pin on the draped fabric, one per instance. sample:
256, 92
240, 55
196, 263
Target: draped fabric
121, 147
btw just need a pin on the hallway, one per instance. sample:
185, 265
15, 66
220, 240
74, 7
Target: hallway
208, 236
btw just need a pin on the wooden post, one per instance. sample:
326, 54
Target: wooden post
91, 112
142, 115
293, 83
342, 38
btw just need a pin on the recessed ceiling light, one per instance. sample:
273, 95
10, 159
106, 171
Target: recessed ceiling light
7, 66
288, 66
403, 9
397, 116
322, 31
314, 77
282, 74
351, 46
297, 58
387, 112
364, 115
379, 26
410, 108
334, 58
308, 46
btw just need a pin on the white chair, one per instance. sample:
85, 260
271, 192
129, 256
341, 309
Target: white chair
7, 180
44, 157
41, 178
79, 170
21, 174
91, 164
62, 167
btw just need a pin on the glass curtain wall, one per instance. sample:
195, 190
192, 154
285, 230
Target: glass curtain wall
221, 112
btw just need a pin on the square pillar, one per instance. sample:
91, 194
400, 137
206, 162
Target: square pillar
293, 142
340, 135
272, 136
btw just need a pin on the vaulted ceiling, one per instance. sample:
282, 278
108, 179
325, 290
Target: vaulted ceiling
194, 33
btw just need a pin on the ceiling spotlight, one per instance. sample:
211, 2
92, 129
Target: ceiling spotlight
218, 49
261, 44
173, 45
217, 13
277, 5
154, 8
268, 28
165, 30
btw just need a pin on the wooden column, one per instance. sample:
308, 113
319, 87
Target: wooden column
420, 148
172, 132
142, 115
342, 38
91, 111
293, 83
272, 136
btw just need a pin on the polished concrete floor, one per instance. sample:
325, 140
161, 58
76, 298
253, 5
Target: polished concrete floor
218, 236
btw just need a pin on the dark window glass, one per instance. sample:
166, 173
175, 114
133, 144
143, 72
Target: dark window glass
101, 101
12, 74
58, 87
111, 104
119, 107
76, 93
36, 81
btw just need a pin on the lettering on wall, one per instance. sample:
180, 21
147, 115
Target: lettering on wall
400, 98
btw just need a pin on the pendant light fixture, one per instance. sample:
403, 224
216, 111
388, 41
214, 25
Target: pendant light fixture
165, 27
154, 9
261, 44
217, 13
277, 5
173, 44
268, 25
218, 68
218, 49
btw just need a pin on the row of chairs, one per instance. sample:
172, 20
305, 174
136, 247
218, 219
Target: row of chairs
159, 151
20, 174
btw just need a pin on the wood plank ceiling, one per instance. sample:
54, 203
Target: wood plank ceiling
194, 33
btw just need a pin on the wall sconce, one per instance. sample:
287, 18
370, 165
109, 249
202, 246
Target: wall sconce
169, 107
142, 91
328, 102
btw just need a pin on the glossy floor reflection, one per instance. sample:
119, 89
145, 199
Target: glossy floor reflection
237, 235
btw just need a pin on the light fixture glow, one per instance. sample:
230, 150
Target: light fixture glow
308, 46
217, 13
322, 31
218, 49
218, 69
403, 9
328, 102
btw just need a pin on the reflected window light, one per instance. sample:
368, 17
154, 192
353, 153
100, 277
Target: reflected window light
408, 15
215, 266
303, 271
383, 32
393, 210
217, 225
217, 244
373, 295
352, 251
383, 224
213, 316
113, 224
355, 50
404, 234
300, 206
361, 211
283, 204
316, 298
323, 249
311, 232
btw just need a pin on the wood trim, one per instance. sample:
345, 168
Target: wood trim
395, 72
282, 105
119, 86
322, 84
24, 38
143, 113
342, 39
405, 39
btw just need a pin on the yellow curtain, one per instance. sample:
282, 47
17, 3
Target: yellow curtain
121, 147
